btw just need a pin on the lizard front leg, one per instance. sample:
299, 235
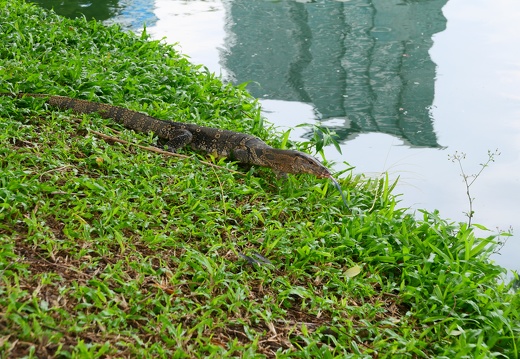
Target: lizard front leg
175, 139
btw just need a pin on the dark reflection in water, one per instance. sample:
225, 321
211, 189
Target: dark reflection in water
131, 14
363, 62
92, 9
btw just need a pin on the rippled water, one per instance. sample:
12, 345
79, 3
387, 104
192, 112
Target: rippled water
404, 83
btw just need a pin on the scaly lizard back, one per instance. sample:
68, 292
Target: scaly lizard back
237, 146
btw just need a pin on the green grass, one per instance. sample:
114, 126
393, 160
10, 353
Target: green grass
109, 250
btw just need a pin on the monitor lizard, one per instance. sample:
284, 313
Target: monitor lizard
237, 146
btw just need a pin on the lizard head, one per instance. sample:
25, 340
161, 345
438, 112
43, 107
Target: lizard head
304, 163
290, 161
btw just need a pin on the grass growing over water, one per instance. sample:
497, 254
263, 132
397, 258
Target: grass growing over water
109, 250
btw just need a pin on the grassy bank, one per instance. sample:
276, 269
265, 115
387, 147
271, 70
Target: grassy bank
108, 249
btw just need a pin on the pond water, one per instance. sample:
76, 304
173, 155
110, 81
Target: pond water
404, 83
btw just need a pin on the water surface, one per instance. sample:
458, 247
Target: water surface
131, 14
